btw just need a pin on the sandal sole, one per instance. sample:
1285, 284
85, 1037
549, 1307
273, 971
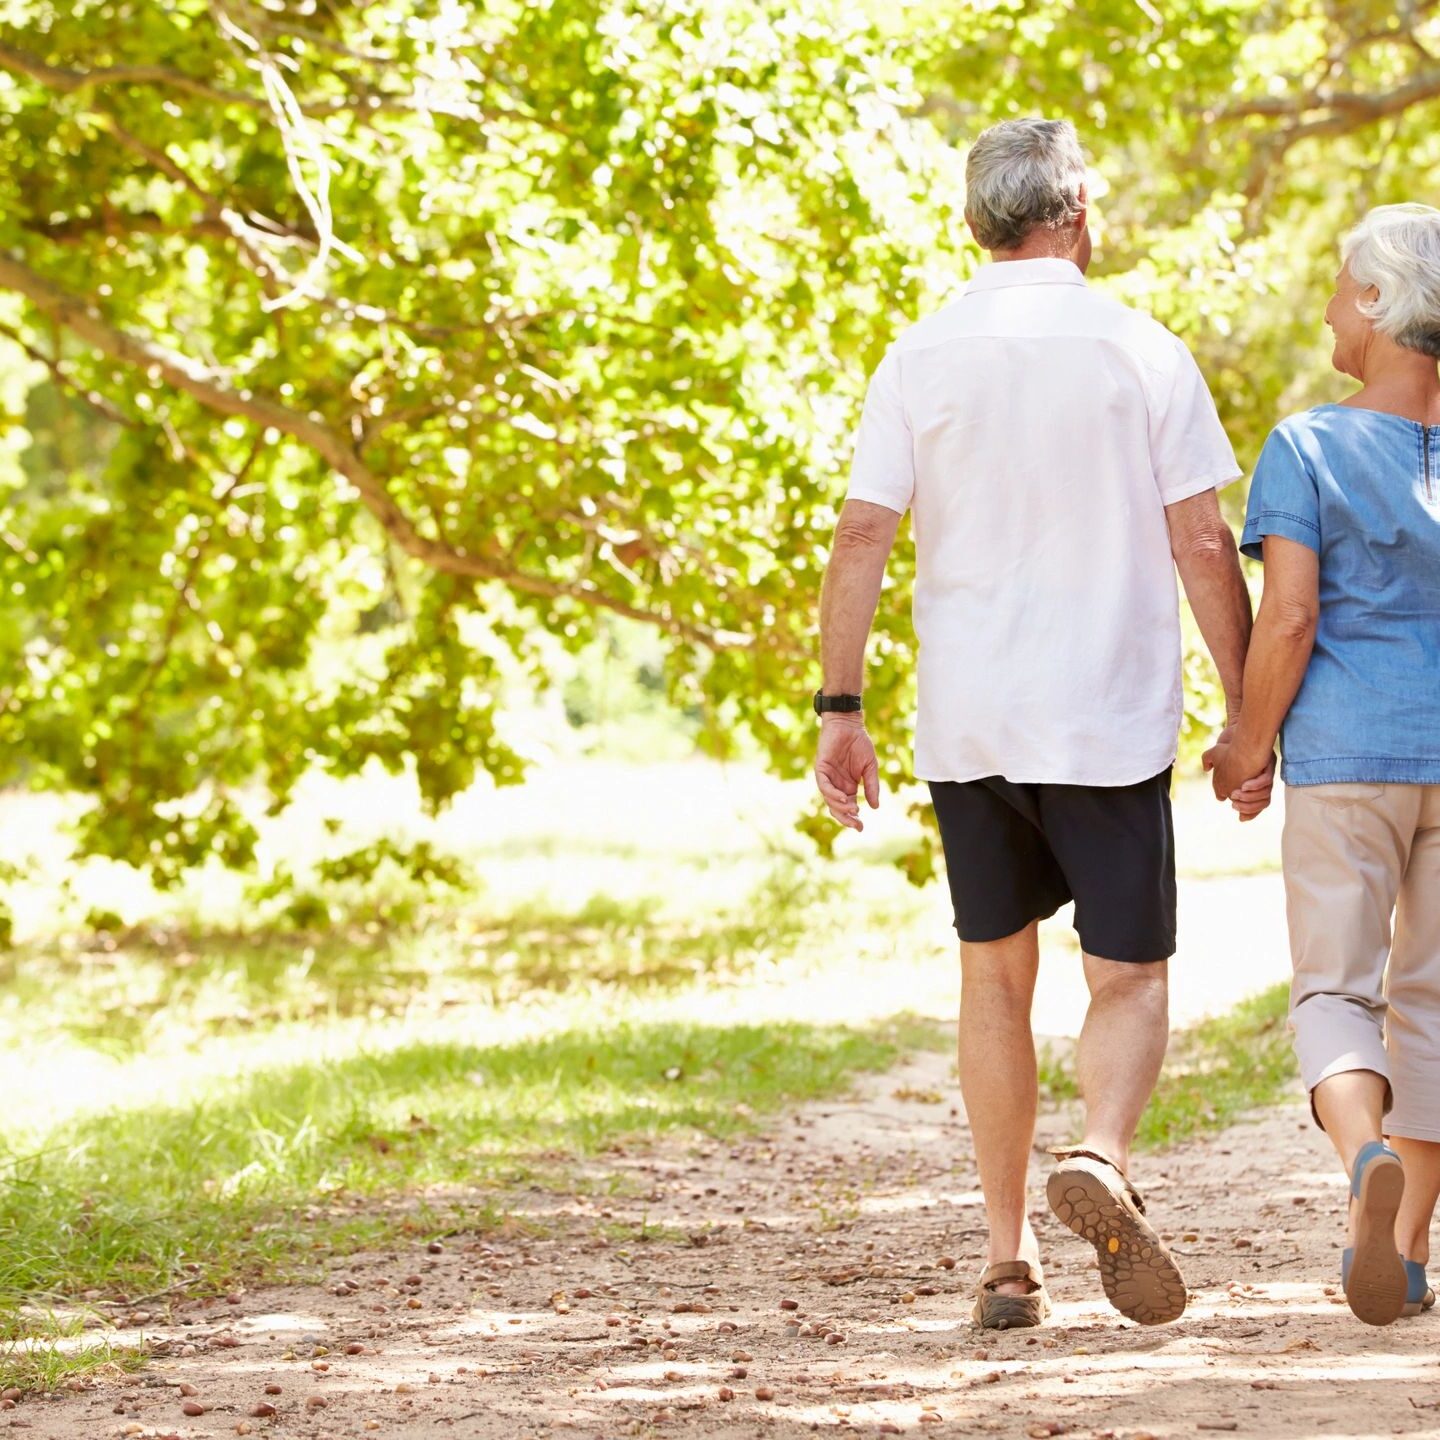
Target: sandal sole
1377, 1287
1141, 1279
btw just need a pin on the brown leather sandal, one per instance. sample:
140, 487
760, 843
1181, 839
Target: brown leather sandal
1093, 1197
994, 1311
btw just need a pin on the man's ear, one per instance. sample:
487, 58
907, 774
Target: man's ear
1082, 196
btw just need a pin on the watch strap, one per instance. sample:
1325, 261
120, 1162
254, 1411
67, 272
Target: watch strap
845, 704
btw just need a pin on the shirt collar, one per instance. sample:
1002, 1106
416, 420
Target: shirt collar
1000, 274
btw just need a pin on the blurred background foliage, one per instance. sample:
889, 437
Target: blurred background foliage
366, 365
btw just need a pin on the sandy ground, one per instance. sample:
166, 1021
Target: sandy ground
815, 1277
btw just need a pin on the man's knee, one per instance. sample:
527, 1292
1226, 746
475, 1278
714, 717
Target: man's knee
1139, 982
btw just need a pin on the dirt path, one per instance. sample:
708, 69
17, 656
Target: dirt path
817, 1277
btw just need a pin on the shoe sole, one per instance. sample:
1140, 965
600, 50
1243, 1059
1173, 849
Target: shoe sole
1141, 1279
1377, 1286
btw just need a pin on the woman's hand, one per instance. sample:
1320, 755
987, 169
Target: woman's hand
1242, 774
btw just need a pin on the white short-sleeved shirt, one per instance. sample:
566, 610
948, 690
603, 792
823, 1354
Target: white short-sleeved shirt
1038, 430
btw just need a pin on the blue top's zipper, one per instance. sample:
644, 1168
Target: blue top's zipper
1425, 445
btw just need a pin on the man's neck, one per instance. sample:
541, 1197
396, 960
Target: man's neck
1036, 250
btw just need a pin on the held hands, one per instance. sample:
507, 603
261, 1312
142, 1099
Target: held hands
844, 764
1239, 774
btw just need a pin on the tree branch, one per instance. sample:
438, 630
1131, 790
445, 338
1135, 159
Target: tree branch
1342, 110
363, 100
92, 398
82, 319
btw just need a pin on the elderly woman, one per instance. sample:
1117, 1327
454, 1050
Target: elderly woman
1345, 512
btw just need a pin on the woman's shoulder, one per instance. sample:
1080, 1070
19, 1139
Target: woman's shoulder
1340, 429
1318, 418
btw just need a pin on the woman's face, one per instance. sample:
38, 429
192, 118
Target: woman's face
1352, 330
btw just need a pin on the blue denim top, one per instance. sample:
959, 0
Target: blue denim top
1362, 489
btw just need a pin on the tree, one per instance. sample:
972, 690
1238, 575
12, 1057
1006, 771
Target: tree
457, 332
432, 328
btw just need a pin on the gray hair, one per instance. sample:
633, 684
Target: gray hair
1396, 248
1022, 175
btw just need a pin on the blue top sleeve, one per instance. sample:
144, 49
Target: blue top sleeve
1284, 499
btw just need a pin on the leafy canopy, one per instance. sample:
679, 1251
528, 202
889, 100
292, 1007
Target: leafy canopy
346, 349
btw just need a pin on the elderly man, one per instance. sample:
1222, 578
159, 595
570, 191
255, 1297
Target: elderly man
1057, 450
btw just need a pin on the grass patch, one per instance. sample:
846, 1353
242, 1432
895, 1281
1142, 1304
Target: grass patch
273, 1171
121, 993
41, 1365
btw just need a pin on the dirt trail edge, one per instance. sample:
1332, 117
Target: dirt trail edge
815, 1277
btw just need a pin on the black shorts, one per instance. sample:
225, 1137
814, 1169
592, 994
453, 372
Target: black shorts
1017, 853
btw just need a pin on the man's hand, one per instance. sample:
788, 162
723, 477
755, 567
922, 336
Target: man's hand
1244, 777
846, 762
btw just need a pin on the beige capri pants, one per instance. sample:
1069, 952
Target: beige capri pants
1354, 856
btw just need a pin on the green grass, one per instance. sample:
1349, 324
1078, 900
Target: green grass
41, 1366
1214, 1072
270, 1172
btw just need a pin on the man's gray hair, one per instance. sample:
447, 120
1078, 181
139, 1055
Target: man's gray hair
1396, 248
1022, 175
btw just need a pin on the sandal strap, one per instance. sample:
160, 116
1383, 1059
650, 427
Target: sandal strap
1004, 1270
1080, 1152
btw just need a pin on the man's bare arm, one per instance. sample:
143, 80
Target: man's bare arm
846, 759
864, 538
1209, 566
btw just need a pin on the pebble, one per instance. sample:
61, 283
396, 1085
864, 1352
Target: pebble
264, 1411
726, 1393
789, 1304
192, 1408
764, 1392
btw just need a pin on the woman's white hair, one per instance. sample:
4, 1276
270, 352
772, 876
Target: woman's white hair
1396, 248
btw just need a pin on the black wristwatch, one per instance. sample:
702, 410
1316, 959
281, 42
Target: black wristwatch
848, 704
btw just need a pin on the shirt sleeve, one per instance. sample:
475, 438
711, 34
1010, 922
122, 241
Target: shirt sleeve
883, 470
1284, 499
1189, 450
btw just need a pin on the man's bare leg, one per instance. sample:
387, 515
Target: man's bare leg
998, 1082
1122, 1046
